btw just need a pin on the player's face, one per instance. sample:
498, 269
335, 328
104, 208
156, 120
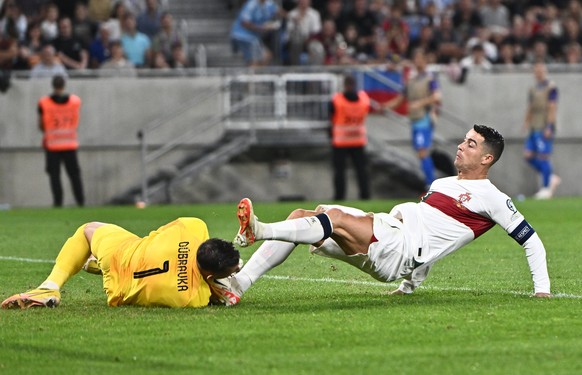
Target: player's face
470, 152
220, 275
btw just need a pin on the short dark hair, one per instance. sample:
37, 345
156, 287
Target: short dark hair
349, 82
493, 140
216, 255
58, 82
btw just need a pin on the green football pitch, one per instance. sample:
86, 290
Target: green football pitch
311, 315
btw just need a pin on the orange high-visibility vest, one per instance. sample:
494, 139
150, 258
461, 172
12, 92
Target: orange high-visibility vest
59, 123
349, 121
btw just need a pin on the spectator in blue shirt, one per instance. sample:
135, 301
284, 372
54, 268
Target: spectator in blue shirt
136, 45
256, 21
99, 48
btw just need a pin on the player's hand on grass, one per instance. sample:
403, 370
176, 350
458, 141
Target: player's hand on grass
396, 292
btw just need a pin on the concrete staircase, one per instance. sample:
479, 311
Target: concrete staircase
207, 23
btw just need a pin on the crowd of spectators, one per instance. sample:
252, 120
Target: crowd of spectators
54, 37
476, 34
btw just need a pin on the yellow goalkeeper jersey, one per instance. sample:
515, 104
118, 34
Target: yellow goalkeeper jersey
157, 270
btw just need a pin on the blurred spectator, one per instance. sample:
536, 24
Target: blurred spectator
50, 25
365, 22
495, 14
519, 36
348, 54
571, 32
84, 28
255, 21
29, 50
67, 7
381, 53
334, 11
10, 13
165, 40
117, 65
49, 66
99, 49
136, 45
148, 21
506, 55
133, 6
322, 47
538, 52
396, 32
33, 9
8, 46
70, 50
481, 37
427, 42
113, 24
431, 14
100, 10
476, 61
466, 20
302, 23
448, 42
380, 9
573, 54
554, 43
414, 19
552, 17
179, 57
575, 10
440, 6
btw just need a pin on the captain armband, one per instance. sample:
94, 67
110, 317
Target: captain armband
522, 233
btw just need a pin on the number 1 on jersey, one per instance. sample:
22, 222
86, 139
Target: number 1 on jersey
152, 271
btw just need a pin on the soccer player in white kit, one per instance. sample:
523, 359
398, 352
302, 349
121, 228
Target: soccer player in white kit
406, 242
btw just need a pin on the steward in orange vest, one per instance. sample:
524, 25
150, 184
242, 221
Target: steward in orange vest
349, 120
59, 120
349, 111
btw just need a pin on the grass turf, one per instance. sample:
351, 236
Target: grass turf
311, 315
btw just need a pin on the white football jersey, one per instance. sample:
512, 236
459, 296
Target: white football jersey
453, 213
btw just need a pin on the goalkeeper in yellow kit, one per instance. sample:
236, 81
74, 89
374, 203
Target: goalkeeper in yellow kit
176, 265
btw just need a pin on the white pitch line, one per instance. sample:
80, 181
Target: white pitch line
380, 284
27, 260
330, 280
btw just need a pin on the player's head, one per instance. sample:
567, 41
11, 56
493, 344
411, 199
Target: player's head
58, 82
217, 259
349, 83
493, 141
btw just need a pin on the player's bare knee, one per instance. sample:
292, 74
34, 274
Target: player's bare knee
321, 208
336, 216
298, 213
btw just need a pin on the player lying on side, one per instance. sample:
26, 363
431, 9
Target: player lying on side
175, 266
406, 242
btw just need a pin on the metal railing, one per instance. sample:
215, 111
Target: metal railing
250, 102
281, 101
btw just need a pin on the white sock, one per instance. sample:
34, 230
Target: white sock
306, 230
268, 256
49, 285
